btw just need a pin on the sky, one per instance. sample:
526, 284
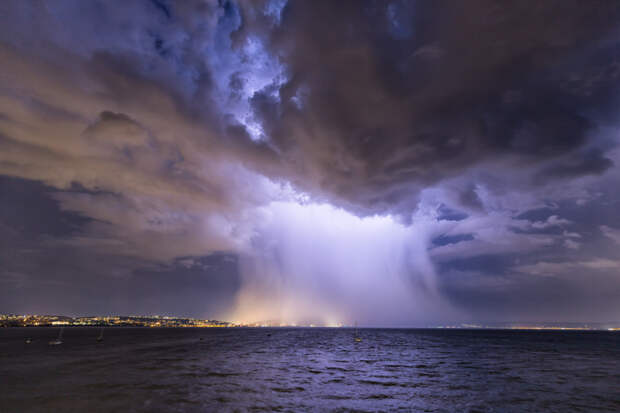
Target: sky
394, 163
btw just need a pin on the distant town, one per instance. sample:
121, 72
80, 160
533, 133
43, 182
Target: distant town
155, 321
12, 320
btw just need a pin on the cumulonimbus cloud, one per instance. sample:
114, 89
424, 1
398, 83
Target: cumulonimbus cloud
257, 128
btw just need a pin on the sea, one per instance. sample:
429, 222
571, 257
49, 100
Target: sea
308, 369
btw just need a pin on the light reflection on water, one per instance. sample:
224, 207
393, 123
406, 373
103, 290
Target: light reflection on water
308, 369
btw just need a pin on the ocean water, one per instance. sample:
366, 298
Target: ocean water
168, 370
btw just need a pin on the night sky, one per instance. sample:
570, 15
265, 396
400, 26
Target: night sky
386, 162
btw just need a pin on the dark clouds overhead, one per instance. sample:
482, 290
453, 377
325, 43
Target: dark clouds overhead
139, 134
395, 96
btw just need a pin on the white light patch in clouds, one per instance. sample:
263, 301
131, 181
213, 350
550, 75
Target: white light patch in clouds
316, 263
241, 72
261, 71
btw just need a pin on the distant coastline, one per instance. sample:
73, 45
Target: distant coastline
157, 321
12, 320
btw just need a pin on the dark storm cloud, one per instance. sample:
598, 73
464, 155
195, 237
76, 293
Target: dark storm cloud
447, 239
375, 114
190, 285
540, 299
449, 214
41, 273
592, 162
149, 138
28, 211
573, 274
379, 100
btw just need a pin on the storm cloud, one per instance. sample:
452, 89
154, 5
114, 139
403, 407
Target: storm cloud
393, 162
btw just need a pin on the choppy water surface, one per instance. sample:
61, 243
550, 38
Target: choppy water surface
308, 369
